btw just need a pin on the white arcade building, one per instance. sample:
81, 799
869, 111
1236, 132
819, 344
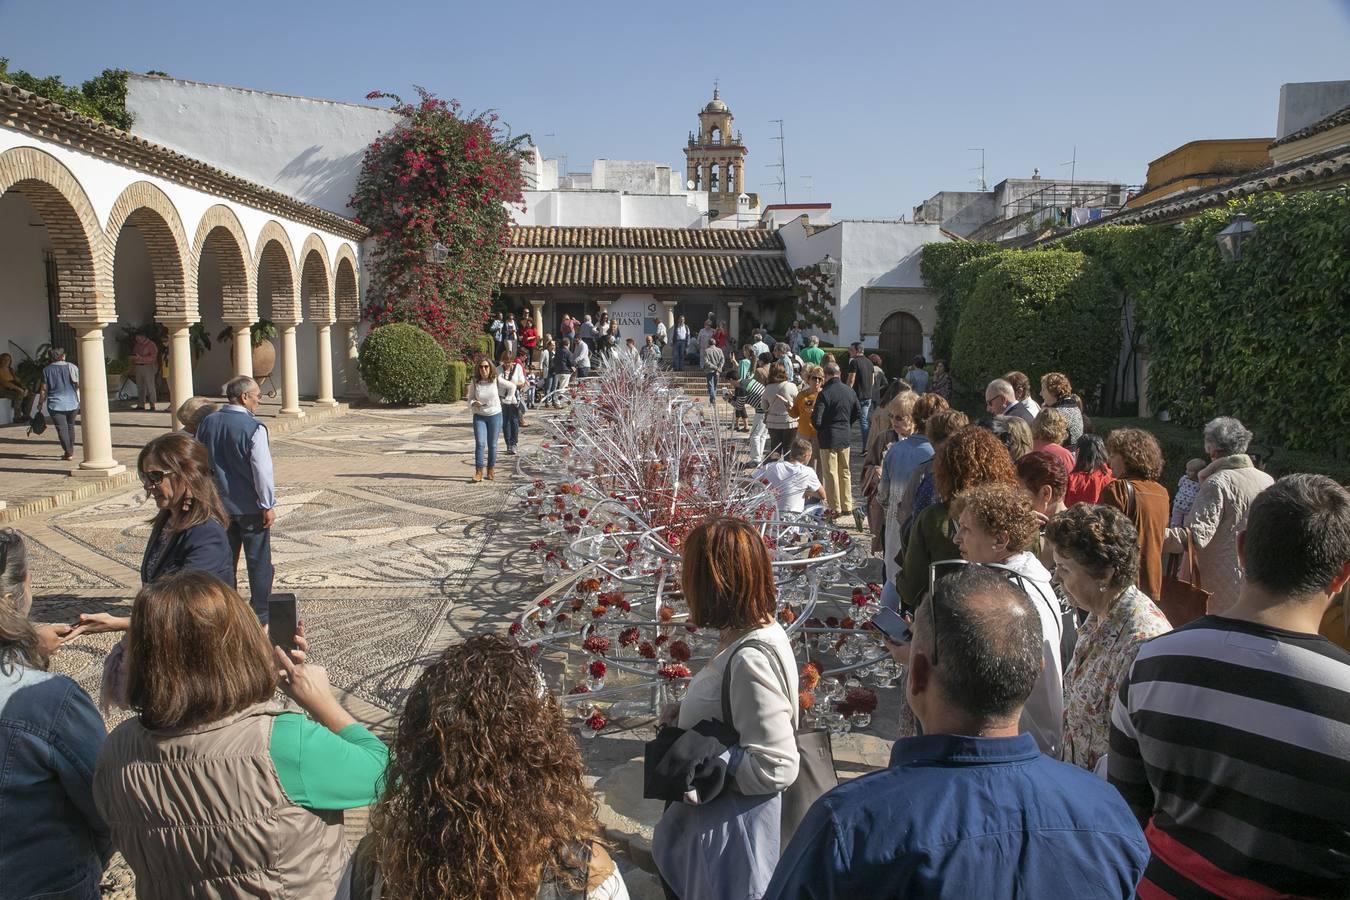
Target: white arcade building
101, 230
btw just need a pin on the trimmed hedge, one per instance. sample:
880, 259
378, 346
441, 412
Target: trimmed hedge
841, 356
402, 364
484, 346
1048, 311
941, 269
456, 374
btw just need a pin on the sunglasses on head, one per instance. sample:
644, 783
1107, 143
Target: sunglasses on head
152, 478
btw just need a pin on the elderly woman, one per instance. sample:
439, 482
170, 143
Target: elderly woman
1049, 431
1137, 461
891, 422
1096, 552
193, 410
1227, 487
1057, 392
1042, 476
995, 526
1014, 434
971, 457
901, 460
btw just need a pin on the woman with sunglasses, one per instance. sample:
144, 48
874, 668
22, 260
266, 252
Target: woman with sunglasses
485, 392
188, 532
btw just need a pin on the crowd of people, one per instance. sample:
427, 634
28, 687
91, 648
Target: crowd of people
1066, 729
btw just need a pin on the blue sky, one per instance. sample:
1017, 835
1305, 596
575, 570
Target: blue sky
880, 100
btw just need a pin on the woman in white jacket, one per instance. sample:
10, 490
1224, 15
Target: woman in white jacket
995, 526
729, 846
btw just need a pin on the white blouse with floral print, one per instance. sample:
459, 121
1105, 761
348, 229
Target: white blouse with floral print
1101, 658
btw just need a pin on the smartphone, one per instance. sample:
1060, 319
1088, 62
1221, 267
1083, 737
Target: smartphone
893, 625
282, 620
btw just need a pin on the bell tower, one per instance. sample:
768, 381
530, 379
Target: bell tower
715, 158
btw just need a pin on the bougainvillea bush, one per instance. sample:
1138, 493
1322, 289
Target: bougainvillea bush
440, 175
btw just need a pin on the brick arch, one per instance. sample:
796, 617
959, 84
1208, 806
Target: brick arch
346, 290
221, 232
84, 281
274, 246
150, 210
316, 281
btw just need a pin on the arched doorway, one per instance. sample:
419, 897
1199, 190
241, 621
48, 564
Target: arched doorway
901, 339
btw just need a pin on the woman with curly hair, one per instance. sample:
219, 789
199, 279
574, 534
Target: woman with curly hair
1137, 461
1096, 554
970, 457
1057, 393
995, 527
484, 798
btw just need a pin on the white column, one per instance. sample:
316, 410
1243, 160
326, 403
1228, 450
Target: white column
325, 344
734, 322
243, 349
180, 369
351, 371
290, 374
538, 306
95, 424
670, 313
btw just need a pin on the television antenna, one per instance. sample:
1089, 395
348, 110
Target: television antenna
807, 186
981, 181
781, 165
1073, 168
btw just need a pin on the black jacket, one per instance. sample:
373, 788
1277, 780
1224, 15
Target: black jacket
835, 412
1019, 409
562, 362
678, 761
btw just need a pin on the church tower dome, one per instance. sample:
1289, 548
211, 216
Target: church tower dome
715, 157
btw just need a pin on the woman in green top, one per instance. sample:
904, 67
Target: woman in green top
211, 753
971, 456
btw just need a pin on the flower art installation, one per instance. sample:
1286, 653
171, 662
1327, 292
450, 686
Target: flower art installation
630, 467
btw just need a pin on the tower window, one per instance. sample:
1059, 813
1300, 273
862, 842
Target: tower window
715, 136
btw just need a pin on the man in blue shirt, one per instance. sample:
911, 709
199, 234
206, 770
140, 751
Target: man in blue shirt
972, 809
242, 460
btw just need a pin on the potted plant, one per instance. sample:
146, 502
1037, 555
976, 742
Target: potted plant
198, 340
261, 333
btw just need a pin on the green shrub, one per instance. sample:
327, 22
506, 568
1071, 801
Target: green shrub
402, 364
941, 269
456, 374
484, 346
1053, 310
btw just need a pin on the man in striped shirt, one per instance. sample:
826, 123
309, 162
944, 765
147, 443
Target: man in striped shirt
1230, 739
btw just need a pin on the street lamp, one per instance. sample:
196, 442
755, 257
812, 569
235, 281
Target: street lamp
1230, 240
437, 253
829, 267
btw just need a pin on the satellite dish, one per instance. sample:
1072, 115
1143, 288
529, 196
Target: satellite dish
689, 184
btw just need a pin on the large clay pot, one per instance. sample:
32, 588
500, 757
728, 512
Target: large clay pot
264, 359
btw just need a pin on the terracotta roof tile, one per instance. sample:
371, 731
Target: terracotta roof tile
524, 269
25, 111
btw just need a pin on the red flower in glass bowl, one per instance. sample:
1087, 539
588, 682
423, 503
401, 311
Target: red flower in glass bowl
597, 669
629, 636
673, 671
679, 651
646, 650
596, 721
596, 643
858, 701
810, 676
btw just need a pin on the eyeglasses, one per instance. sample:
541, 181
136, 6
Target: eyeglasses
153, 478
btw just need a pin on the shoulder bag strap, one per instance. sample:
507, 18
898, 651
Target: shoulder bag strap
1131, 503
1191, 561
774, 661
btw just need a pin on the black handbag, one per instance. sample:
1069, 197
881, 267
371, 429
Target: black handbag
815, 754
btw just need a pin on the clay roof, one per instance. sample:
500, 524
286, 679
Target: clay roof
1330, 167
592, 237
25, 111
645, 270
1338, 118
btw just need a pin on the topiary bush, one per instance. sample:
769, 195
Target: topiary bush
1047, 311
402, 364
485, 346
941, 267
456, 374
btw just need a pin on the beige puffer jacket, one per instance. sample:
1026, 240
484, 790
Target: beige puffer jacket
1227, 487
200, 813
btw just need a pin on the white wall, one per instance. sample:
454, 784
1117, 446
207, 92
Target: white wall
610, 209
306, 148
23, 280
871, 254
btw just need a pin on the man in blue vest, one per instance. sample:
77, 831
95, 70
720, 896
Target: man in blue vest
242, 459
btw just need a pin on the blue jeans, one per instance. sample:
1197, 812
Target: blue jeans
248, 533
712, 387
681, 352
865, 418
485, 432
510, 424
